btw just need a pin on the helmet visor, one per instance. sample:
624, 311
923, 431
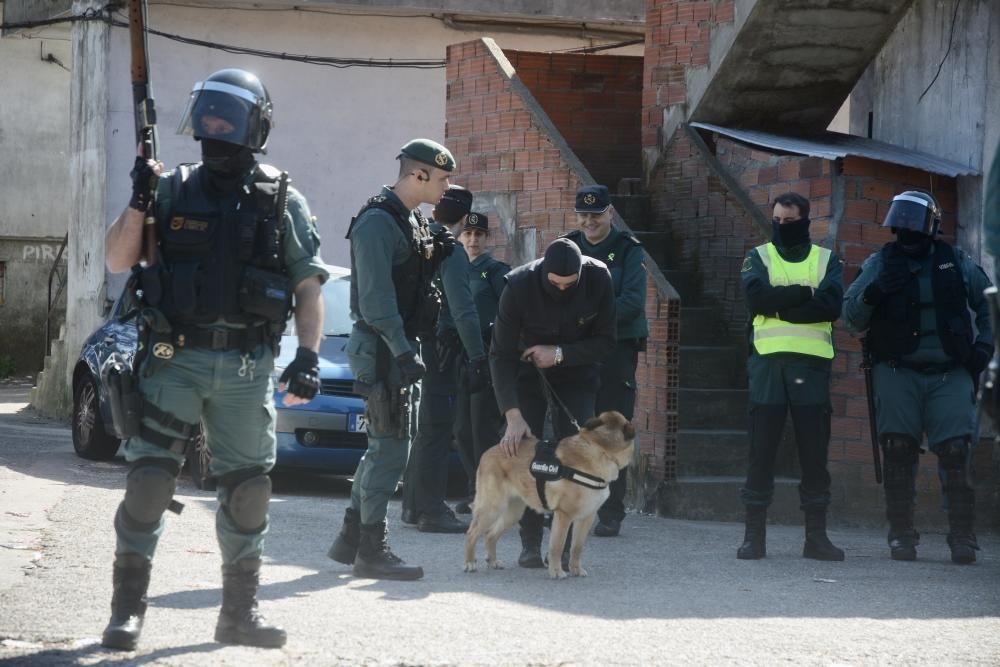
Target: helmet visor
224, 112
911, 213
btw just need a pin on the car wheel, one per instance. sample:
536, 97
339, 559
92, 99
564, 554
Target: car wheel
199, 459
90, 439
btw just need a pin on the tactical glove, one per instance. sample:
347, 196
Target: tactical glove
301, 377
889, 281
444, 243
411, 368
143, 178
981, 355
477, 374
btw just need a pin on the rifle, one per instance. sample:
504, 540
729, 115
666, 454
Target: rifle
866, 368
145, 114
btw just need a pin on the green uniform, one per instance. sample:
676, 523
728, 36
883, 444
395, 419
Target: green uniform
623, 255
457, 331
793, 375
378, 244
477, 427
228, 392
927, 393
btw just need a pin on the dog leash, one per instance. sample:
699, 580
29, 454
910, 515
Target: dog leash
552, 395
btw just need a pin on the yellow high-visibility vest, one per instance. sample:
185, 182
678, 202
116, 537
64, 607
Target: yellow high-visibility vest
771, 334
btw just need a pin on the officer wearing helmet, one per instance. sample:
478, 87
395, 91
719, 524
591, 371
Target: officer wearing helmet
395, 304
912, 298
235, 244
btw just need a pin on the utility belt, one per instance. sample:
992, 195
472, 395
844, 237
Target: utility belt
546, 467
219, 340
924, 368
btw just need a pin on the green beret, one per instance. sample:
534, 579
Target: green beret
430, 153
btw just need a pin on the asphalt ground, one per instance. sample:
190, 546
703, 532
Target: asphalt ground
664, 592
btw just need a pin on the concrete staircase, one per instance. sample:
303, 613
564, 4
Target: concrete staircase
788, 65
51, 395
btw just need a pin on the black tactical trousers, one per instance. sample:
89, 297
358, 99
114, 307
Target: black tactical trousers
579, 395
426, 476
801, 384
478, 425
617, 392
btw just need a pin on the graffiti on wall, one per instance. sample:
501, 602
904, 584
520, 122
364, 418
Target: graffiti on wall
40, 253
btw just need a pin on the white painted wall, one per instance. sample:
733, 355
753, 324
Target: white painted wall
337, 131
34, 135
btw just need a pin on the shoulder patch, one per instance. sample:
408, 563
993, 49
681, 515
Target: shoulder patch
377, 199
747, 264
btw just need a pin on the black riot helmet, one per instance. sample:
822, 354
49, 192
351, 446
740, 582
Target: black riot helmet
238, 98
915, 211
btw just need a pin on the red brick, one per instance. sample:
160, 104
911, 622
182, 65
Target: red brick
860, 210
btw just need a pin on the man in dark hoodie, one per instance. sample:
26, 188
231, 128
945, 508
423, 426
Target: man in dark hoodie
794, 290
556, 317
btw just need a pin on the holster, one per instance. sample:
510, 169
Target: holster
386, 406
124, 397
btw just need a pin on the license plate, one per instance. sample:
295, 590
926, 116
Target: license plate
356, 423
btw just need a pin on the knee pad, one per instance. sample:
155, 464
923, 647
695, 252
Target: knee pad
247, 500
952, 454
900, 449
148, 492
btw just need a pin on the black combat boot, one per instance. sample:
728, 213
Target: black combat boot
755, 538
239, 621
128, 603
531, 552
376, 561
961, 517
899, 489
818, 546
345, 547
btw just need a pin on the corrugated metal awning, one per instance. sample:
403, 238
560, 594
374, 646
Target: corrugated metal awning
833, 145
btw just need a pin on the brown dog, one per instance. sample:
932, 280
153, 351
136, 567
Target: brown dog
504, 486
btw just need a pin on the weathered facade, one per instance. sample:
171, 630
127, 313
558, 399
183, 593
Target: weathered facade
34, 191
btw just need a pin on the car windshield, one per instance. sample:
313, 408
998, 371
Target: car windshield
336, 307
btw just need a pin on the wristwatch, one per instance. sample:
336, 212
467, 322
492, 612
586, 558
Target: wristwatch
559, 357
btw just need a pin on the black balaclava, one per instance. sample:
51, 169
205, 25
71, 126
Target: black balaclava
562, 258
914, 244
790, 234
226, 163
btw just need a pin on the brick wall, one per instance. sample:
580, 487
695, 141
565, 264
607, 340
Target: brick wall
677, 37
595, 102
511, 154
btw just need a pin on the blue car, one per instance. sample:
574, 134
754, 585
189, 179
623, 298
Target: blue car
326, 435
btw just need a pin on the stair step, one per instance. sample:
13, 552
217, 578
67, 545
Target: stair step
711, 452
717, 498
656, 244
712, 408
704, 325
712, 367
634, 210
687, 284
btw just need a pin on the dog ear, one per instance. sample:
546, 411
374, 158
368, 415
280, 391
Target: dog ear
628, 430
593, 423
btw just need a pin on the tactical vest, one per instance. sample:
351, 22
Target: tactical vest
772, 335
417, 298
895, 324
481, 284
222, 258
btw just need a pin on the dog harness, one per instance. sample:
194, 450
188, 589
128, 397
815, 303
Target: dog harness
545, 467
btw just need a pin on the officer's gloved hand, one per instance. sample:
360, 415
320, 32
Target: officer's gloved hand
411, 368
302, 375
981, 355
444, 243
889, 281
143, 178
477, 375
